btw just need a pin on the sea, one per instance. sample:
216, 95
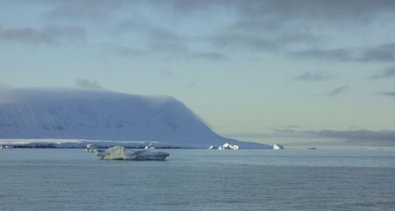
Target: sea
72, 179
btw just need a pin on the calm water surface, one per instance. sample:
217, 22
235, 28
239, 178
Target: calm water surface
71, 179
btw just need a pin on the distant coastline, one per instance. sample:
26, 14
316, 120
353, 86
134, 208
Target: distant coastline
81, 144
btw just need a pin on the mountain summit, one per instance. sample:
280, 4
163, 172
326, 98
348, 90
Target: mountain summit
103, 115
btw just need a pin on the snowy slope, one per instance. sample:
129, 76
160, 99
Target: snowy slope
101, 115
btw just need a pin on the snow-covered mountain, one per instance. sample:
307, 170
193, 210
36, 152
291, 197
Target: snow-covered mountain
103, 115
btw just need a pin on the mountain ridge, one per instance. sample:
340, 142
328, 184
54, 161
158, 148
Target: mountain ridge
104, 115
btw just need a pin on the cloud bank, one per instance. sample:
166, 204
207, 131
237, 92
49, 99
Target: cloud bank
87, 84
336, 91
387, 73
312, 76
298, 29
49, 35
381, 138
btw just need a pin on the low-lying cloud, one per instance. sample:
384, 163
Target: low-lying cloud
385, 138
48, 35
387, 73
87, 84
379, 53
389, 94
336, 91
312, 76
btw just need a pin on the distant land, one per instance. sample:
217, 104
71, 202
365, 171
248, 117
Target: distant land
103, 116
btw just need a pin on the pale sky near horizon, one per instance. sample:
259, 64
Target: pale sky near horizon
252, 69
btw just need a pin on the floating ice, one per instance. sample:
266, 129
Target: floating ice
122, 153
278, 147
91, 148
228, 146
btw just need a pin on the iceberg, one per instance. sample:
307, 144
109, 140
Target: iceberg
91, 148
278, 147
149, 146
228, 146
6, 147
122, 153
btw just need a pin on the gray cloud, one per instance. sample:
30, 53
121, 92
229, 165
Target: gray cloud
335, 92
127, 52
389, 94
252, 38
284, 40
361, 137
276, 25
250, 15
155, 34
350, 11
356, 134
379, 53
209, 55
47, 35
162, 41
251, 9
383, 53
244, 42
160, 50
318, 9
87, 84
309, 76
352, 137
47, 94
92, 10
158, 40
387, 73
324, 54
384, 138
293, 28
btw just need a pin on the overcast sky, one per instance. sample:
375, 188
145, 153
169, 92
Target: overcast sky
253, 69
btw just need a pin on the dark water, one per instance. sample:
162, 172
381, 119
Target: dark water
63, 179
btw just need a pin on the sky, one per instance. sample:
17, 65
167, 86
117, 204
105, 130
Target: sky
295, 72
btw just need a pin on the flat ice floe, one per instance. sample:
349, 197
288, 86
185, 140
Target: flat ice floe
122, 153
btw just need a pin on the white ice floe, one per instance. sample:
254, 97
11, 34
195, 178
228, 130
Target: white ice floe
149, 146
228, 146
91, 148
122, 153
278, 147
6, 147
